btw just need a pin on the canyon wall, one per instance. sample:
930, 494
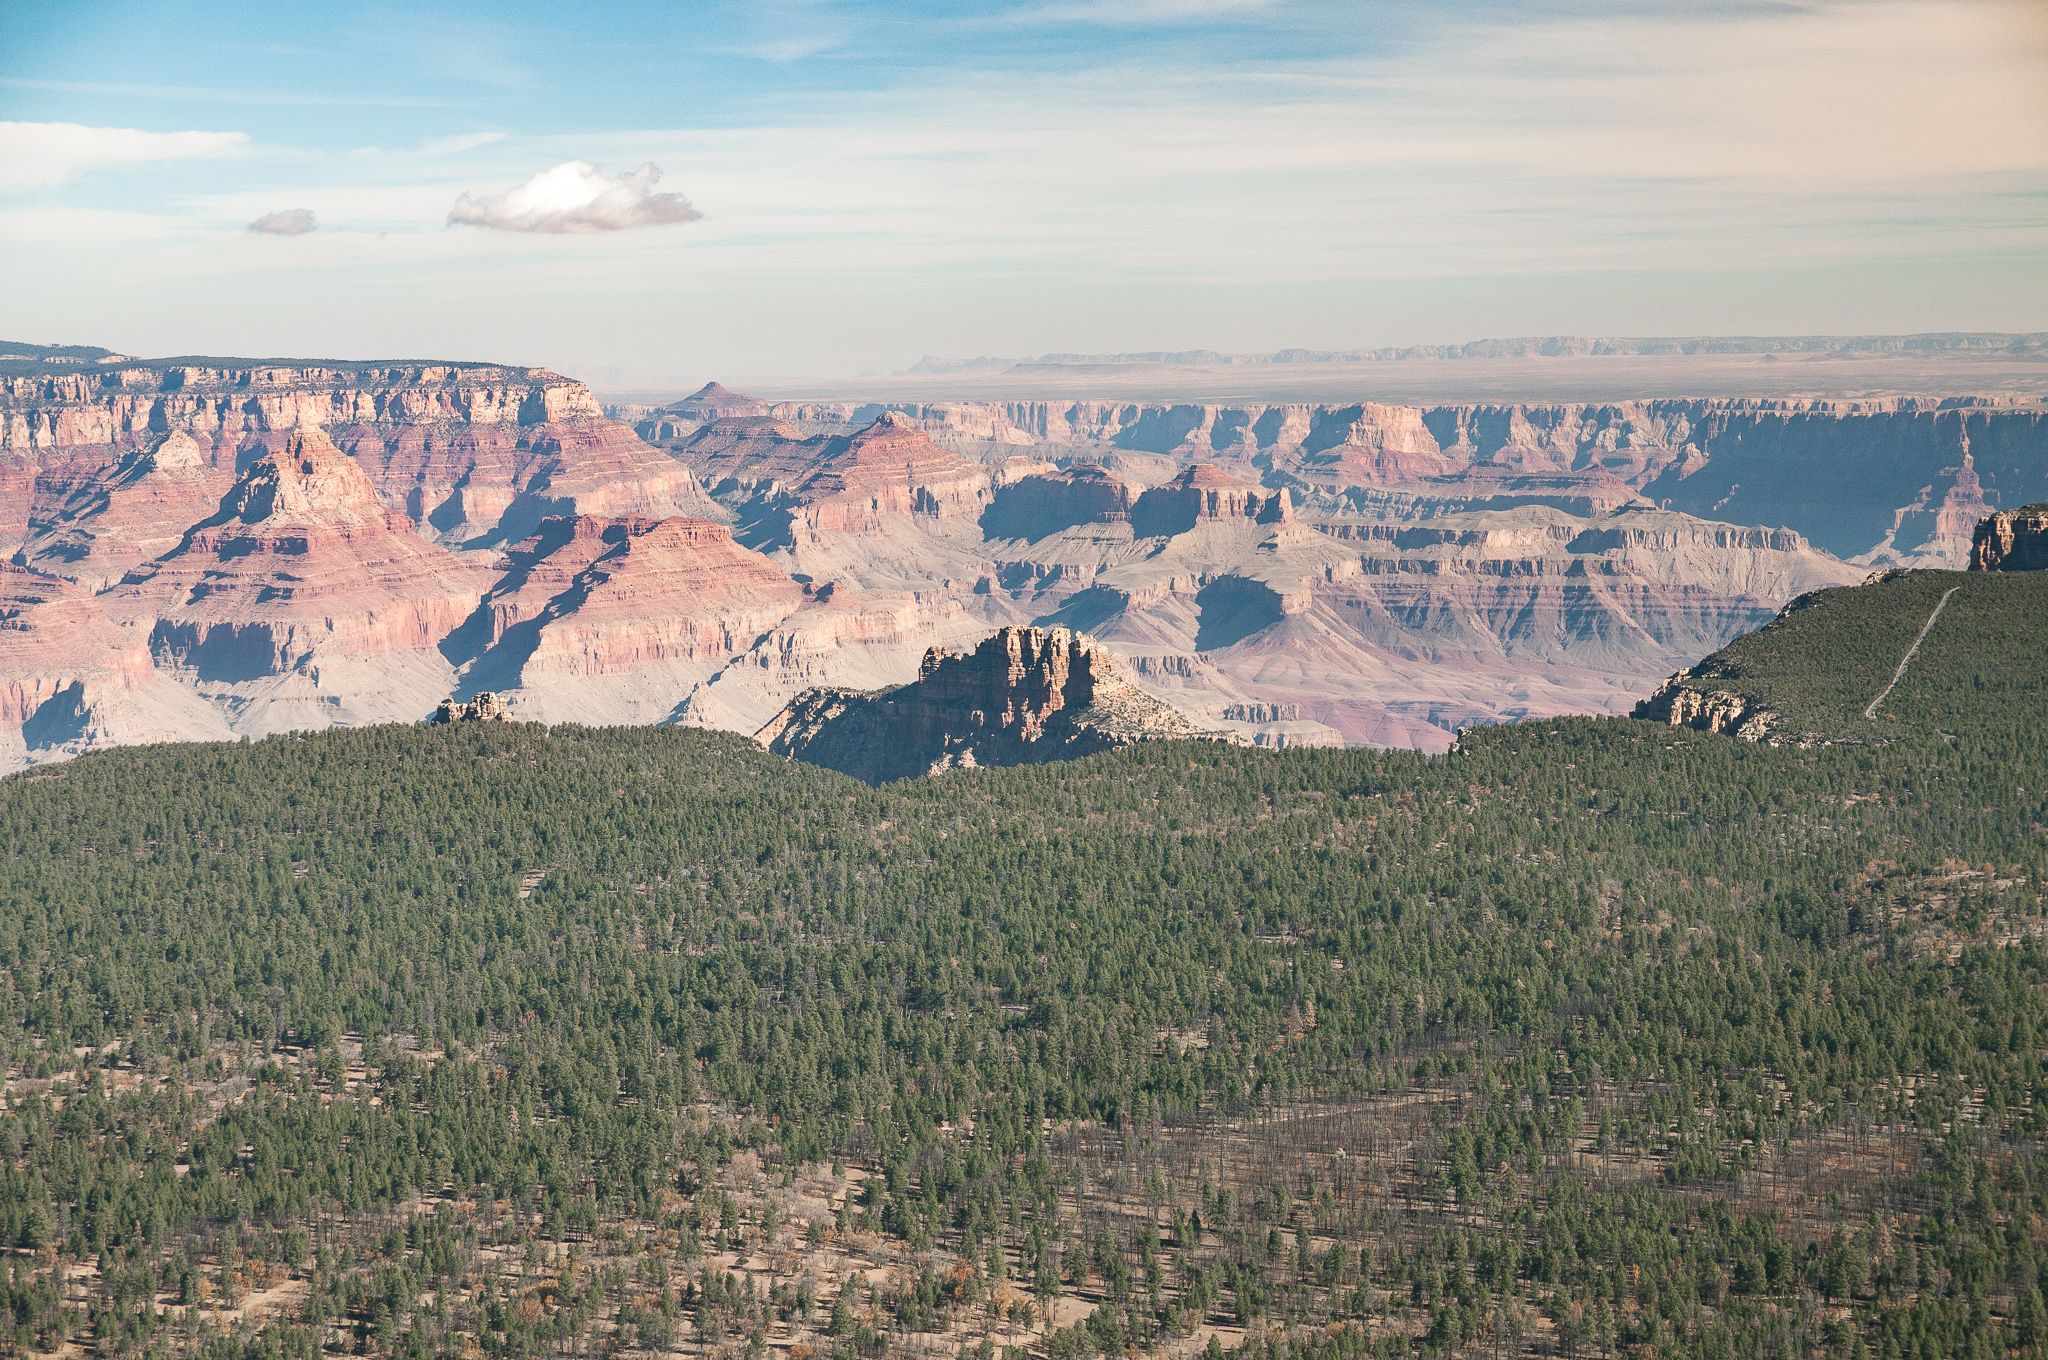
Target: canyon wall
206, 547
1896, 480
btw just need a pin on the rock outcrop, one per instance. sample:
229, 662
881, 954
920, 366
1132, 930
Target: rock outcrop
1206, 493
1045, 502
2012, 540
790, 487
1023, 696
890, 468
1680, 705
485, 707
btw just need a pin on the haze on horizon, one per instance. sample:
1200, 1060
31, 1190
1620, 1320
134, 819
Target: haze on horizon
816, 188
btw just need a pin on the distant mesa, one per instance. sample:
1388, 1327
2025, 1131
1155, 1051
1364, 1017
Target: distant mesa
715, 402
794, 487
1046, 501
14, 352
1023, 696
2012, 540
1207, 493
1526, 347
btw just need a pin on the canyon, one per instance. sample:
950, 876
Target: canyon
202, 548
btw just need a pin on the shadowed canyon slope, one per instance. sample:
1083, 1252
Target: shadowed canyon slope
1883, 481
210, 546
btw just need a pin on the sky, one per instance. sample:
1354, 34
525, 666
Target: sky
660, 193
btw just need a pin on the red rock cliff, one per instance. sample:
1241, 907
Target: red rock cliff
302, 558
2012, 540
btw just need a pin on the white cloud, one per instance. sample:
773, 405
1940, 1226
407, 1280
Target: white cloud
36, 154
576, 197
468, 141
290, 222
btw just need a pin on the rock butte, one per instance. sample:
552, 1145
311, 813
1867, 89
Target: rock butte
204, 548
1023, 696
2012, 540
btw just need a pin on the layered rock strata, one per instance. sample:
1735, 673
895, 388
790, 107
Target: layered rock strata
468, 452
2011, 540
71, 680
97, 522
301, 602
1896, 480
1382, 574
590, 596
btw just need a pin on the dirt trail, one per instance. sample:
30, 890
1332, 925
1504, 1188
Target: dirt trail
1925, 628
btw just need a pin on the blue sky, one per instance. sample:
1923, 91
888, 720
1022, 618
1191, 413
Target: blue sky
844, 187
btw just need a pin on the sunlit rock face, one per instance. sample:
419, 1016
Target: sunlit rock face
2011, 540
216, 546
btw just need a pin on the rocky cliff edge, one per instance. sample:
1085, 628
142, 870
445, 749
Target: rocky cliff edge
1023, 696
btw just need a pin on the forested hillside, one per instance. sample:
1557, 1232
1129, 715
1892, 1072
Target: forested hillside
1818, 667
1594, 1037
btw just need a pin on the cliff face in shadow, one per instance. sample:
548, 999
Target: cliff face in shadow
1023, 696
1894, 481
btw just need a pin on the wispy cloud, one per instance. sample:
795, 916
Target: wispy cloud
575, 198
1086, 173
452, 146
36, 154
1136, 11
206, 94
290, 222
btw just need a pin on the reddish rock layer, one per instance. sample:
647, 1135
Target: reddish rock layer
95, 523
464, 483
457, 448
890, 468
629, 592
302, 558
54, 636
